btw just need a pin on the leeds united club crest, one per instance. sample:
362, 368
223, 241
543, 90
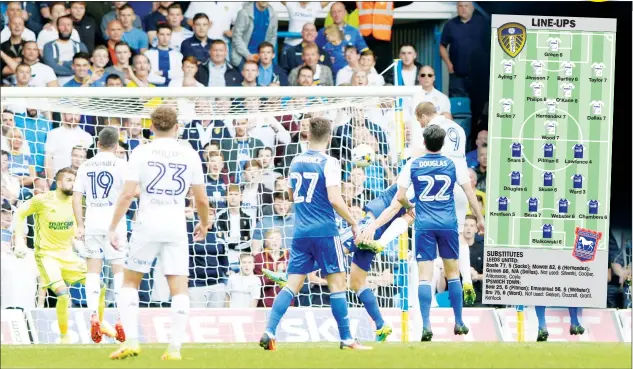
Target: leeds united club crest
512, 37
586, 244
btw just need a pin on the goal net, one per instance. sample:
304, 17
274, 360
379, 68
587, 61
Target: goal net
246, 138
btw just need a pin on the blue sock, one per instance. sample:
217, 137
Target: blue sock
338, 303
280, 305
366, 296
425, 297
540, 314
573, 315
455, 295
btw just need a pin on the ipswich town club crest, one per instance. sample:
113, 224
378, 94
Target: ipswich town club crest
586, 244
512, 38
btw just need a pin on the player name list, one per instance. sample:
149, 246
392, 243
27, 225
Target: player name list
511, 276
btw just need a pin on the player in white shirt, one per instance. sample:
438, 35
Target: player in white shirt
567, 88
537, 88
507, 66
551, 105
568, 68
164, 169
596, 107
537, 66
100, 180
598, 68
553, 43
506, 105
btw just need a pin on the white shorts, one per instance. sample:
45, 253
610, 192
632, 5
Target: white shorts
461, 207
99, 247
172, 256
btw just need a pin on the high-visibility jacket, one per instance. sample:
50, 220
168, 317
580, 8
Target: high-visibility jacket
375, 17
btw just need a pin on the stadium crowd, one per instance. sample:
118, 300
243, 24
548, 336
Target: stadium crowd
246, 160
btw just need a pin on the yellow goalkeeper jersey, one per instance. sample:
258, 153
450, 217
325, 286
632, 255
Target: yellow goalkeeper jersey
54, 223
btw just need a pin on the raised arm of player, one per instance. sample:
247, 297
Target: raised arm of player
463, 179
78, 196
30, 207
404, 182
367, 235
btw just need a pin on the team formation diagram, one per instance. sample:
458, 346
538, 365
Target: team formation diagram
549, 147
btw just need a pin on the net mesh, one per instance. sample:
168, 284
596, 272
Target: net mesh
276, 128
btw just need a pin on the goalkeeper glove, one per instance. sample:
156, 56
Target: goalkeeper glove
20, 251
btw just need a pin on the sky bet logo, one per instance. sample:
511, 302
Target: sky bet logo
559, 23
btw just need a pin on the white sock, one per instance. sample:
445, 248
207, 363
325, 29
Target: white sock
118, 282
398, 227
464, 263
92, 291
179, 316
436, 277
129, 311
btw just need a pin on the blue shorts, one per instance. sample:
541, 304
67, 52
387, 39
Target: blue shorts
428, 242
326, 251
362, 258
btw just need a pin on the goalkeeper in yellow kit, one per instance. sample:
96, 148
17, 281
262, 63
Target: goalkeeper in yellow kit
55, 228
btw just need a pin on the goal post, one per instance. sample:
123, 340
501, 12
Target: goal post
272, 116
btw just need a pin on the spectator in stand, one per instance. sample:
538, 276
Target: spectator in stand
41, 74
121, 66
100, 59
256, 199
269, 74
299, 144
368, 63
175, 21
250, 72
471, 156
476, 256
158, 16
255, 24
269, 175
135, 37
114, 80
301, 13
275, 258
58, 54
189, 71
13, 47
360, 78
266, 128
482, 157
23, 76
115, 15
10, 191
36, 127
481, 196
237, 151
78, 156
222, 16
21, 165
336, 47
208, 265
202, 131
322, 74
460, 36
49, 32
60, 143
165, 62
361, 194
429, 93
142, 70
410, 67
234, 225
115, 35
244, 288
216, 72
356, 131
84, 24
8, 122
14, 10
337, 11
282, 219
81, 67
215, 179
305, 77
199, 44
292, 57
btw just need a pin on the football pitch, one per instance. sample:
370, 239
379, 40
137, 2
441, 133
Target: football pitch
328, 355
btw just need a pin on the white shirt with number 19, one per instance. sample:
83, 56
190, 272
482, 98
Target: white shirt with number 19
100, 179
164, 169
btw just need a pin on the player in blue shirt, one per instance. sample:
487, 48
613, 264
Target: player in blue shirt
579, 151
548, 150
548, 179
547, 230
577, 179
516, 149
563, 206
532, 204
315, 188
515, 178
593, 206
503, 203
433, 177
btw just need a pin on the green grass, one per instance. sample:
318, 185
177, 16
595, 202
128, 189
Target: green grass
327, 355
